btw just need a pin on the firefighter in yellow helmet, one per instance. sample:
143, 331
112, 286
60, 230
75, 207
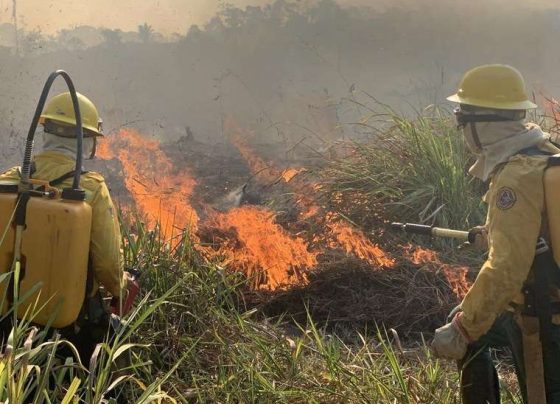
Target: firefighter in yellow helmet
512, 155
56, 164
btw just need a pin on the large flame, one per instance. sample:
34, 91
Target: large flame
160, 195
260, 247
336, 232
248, 238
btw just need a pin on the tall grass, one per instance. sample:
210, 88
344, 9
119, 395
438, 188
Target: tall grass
34, 369
416, 169
192, 340
231, 354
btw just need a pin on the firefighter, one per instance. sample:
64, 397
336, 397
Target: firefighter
512, 155
56, 164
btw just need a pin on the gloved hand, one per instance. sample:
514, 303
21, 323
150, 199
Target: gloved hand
451, 340
132, 288
480, 239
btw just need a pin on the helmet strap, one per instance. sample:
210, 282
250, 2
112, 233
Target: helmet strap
475, 136
63, 130
93, 149
59, 130
464, 118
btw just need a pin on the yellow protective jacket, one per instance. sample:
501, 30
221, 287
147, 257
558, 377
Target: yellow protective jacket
105, 245
516, 206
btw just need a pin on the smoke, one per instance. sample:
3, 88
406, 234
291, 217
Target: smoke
174, 16
166, 16
294, 72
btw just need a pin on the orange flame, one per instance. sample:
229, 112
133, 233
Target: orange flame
339, 233
456, 276
161, 196
353, 241
423, 256
249, 239
289, 173
259, 167
261, 248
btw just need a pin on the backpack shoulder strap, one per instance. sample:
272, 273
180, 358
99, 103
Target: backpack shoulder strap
553, 161
534, 151
64, 177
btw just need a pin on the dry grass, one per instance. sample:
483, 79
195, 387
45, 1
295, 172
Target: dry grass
346, 293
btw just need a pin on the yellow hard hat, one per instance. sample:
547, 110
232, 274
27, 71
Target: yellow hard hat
493, 86
60, 110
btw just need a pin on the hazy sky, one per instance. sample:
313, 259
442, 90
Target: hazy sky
166, 16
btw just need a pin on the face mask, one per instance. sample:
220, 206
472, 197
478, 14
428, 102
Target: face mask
67, 145
471, 138
470, 118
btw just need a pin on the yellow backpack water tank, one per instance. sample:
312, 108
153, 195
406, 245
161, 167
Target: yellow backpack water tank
54, 257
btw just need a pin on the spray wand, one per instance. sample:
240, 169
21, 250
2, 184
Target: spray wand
413, 228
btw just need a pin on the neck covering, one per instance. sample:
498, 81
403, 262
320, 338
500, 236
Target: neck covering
66, 145
498, 142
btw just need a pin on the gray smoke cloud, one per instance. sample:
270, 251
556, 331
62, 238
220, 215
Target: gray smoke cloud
291, 71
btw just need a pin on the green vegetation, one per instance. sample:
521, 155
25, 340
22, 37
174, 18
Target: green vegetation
233, 355
415, 171
190, 340
193, 339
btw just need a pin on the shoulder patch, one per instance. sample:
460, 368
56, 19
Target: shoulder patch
505, 198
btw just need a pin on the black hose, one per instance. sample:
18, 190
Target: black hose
26, 166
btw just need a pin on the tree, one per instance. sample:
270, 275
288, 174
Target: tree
146, 33
70, 41
194, 33
112, 36
32, 42
232, 17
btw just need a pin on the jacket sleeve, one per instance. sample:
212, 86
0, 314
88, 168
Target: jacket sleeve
11, 174
515, 204
105, 245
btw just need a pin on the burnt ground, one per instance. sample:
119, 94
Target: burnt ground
218, 168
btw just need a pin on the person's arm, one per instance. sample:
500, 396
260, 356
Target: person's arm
105, 245
515, 205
